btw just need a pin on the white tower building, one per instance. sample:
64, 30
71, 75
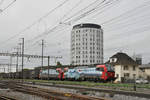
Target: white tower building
86, 44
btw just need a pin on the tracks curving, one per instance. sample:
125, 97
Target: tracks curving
47, 93
2, 97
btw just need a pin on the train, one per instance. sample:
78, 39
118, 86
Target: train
102, 72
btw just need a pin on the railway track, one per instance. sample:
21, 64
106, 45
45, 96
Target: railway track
106, 90
2, 97
47, 93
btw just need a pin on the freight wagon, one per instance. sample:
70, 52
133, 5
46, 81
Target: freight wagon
51, 74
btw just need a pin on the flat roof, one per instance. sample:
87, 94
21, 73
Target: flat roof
87, 25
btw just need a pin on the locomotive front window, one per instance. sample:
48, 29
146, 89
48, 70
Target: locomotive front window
109, 68
100, 69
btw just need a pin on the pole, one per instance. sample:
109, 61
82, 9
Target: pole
22, 57
4, 69
48, 66
17, 61
10, 66
42, 55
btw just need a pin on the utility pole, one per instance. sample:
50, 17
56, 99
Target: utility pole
17, 63
4, 70
48, 60
48, 66
42, 54
22, 57
17, 53
10, 65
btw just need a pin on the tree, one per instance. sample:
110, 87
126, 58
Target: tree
59, 64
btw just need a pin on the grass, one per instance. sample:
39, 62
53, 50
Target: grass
92, 84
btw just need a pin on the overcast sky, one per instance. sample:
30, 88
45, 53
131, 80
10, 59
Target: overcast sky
126, 25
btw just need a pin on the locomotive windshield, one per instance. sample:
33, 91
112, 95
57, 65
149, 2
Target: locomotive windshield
100, 69
109, 68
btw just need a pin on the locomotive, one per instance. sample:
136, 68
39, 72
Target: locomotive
103, 73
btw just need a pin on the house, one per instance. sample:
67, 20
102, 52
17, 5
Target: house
145, 71
125, 67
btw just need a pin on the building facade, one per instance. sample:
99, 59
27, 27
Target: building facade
86, 44
145, 71
126, 69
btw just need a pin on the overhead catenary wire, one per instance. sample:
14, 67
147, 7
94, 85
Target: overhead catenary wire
59, 35
46, 33
129, 19
55, 27
82, 16
10, 4
73, 20
124, 25
75, 6
126, 14
35, 22
93, 10
51, 29
106, 8
113, 22
135, 31
1, 2
82, 10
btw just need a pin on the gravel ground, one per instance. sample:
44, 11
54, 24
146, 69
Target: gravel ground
109, 96
19, 95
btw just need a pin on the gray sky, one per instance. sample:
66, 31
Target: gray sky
126, 25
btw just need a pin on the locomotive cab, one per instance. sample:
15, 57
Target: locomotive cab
100, 69
61, 73
108, 73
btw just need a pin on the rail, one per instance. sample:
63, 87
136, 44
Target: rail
48, 93
2, 97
